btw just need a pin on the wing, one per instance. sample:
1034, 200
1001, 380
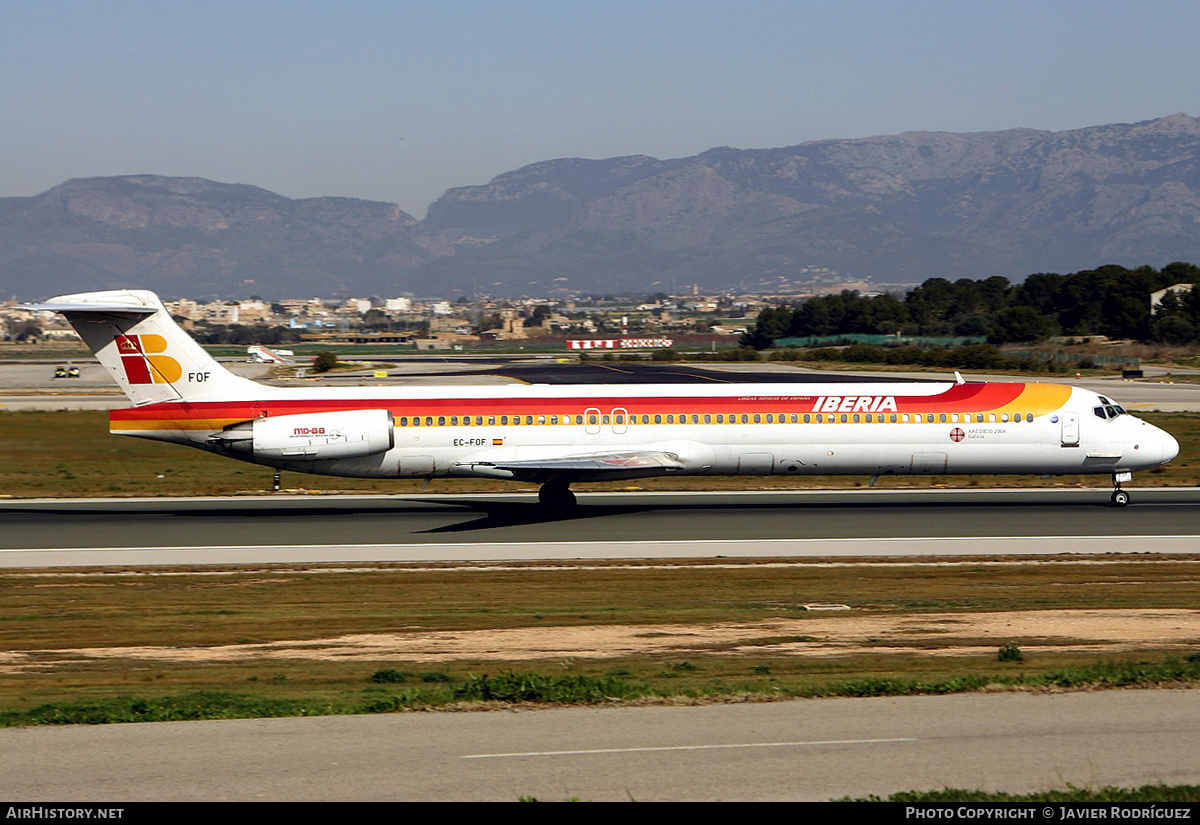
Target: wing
629, 463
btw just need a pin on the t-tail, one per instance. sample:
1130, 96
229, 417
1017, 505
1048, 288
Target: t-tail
149, 356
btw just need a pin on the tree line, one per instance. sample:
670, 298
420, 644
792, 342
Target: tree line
1112, 301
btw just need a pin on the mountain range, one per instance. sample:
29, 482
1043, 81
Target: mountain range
895, 209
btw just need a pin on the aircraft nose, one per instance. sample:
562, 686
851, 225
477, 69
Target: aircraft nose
1170, 447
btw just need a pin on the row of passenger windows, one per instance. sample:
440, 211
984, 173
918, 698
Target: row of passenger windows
718, 418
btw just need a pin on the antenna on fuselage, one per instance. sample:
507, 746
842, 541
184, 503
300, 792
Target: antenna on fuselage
958, 379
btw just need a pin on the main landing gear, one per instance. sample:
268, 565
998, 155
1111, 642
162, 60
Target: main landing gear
1119, 497
556, 495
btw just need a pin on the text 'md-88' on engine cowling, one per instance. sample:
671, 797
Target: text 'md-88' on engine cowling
311, 436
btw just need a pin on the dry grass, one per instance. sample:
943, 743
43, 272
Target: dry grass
688, 628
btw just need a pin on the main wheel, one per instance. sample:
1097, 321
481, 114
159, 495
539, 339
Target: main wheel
556, 497
1120, 498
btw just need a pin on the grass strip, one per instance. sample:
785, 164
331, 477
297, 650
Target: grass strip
531, 688
1112, 794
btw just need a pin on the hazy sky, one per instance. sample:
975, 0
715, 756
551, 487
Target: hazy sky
399, 101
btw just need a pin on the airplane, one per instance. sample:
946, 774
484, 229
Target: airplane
554, 436
261, 355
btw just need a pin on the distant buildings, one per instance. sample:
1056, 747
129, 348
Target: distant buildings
444, 324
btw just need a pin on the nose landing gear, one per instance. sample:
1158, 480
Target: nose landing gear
1119, 497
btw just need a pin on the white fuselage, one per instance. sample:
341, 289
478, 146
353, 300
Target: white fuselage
750, 429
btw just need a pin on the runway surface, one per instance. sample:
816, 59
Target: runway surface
432, 527
806, 750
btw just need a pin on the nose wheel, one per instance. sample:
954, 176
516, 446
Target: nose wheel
1119, 497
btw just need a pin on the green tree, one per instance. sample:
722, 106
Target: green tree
1020, 324
325, 361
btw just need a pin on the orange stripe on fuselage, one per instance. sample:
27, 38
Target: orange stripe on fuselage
1038, 399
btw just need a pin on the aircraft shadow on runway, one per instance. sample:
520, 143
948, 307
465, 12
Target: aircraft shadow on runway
515, 514
490, 513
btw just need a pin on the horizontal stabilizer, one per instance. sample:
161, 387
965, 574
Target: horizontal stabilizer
99, 309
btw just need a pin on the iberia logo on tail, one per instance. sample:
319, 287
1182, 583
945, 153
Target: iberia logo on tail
143, 363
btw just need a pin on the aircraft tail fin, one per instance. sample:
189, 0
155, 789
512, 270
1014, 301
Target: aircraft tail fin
146, 352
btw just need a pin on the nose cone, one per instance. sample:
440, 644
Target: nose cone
1170, 447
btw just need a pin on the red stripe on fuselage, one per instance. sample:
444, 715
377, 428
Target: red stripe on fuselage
958, 398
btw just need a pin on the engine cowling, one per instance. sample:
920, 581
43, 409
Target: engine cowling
311, 436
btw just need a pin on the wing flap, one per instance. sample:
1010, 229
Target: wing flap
620, 461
